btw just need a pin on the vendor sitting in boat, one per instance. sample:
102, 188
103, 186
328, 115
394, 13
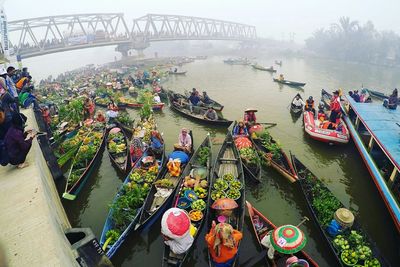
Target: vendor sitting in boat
222, 242
100, 117
112, 106
342, 219
392, 102
206, 99
157, 98
185, 141
240, 129
298, 102
156, 142
310, 105
281, 78
250, 117
175, 228
211, 114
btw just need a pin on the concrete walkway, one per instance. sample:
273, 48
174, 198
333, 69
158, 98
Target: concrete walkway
32, 218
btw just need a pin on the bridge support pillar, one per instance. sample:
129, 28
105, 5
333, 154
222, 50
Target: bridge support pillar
139, 46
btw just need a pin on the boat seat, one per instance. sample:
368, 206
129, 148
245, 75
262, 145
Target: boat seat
224, 159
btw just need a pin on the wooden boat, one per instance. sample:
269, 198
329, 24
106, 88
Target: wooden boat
228, 162
259, 67
155, 206
295, 109
120, 160
307, 182
127, 130
214, 104
332, 136
267, 226
198, 112
281, 163
252, 171
279, 63
125, 228
78, 175
378, 95
119, 105
154, 106
177, 72
170, 259
238, 61
289, 83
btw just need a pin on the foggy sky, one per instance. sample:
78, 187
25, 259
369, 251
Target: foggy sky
274, 19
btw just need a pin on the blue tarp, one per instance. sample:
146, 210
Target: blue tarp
381, 122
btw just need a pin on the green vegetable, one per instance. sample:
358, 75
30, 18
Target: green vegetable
235, 185
228, 177
349, 257
249, 156
220, 184
204, 154
217, 194
233, 194
111, 236
198, 205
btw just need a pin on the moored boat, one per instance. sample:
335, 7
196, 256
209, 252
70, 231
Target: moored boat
237, 61
84, 162
259, 67
261, 226
273, 154
279, 63
314, 128
212, 103
198, 112
248, 153
323, 205
289, 83
161, 194
201, 161
228, 168
118, 149
129, 200
183, 72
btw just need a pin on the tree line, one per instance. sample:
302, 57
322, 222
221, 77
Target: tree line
349, 40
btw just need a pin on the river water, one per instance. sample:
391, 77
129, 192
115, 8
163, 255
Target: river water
239, 87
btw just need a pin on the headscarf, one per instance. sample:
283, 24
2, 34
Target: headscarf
223, 233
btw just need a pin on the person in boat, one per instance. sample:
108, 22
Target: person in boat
156, 142
250, 117
222, 242
176, 70
157, 98
88, 108
184, 141
355, 96
112, 106
321, 112
194, 100
364, 96
327, 125
392, 102
298, 102
335, 108
175, 228
281, 78
18, 142
211, 114
206, 99
309, 106
100, 117
240, 129
197, 93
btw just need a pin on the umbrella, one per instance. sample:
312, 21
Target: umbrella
251, 109
115, 130
288, 239
224, 204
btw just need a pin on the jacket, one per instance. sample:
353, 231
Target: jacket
16, 143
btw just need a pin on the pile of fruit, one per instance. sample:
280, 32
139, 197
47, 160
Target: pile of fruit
354, 249
143, 129
226, 187
195, 215
116, 143
198, 205
249, 156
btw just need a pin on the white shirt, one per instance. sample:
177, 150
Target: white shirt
298, 102
157, 99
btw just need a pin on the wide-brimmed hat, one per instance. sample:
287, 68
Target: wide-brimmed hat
344, 217
3, 71
251, 109
175, 223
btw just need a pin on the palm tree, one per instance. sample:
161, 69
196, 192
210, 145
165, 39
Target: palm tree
346, 26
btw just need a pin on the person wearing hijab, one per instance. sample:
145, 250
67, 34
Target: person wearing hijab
392, 102
223, 242
17, 142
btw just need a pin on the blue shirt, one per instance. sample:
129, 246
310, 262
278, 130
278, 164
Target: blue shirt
194, 99
155, 143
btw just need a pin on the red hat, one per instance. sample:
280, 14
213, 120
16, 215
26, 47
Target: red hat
175, 223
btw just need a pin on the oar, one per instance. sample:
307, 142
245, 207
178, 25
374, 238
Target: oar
269, 124
303, 221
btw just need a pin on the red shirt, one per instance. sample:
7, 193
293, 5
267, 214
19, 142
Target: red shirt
335, 105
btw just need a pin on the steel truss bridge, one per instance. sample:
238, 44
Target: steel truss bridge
46, 35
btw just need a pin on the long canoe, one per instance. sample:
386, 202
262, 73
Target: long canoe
258, 67
127, 226
308, 182
252, 171
228, 162
174, 260
155, 206
289, 83
281, 163
119, 160
119, 105
197, 115
296, 109
128, 130
154, 106
74, 185
378, 95
267, 226
177, 72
